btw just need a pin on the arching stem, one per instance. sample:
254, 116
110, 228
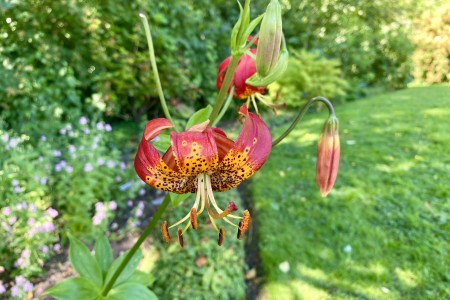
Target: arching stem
300, 116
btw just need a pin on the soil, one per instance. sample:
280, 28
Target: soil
254, 274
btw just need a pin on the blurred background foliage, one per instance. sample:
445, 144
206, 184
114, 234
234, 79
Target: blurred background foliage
61, 59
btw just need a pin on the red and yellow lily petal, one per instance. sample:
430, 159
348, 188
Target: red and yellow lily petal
245, 69
153, 170
195, 152
247, 155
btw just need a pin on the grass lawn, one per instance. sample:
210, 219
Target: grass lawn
384, 231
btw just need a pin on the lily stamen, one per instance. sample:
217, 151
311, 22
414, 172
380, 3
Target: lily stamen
193, 215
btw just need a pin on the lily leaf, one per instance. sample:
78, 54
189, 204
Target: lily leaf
131, 290
103, 253
141, 277
162, 142
177, 199
83, 262
127, 271
74, 289
199, 116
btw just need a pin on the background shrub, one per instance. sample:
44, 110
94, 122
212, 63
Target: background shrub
432, 37
308, 75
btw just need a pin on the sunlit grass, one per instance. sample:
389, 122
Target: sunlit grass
384, 231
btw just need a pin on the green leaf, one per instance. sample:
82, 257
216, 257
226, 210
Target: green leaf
103, 253
177, 199
199, 116
131, 290
143, 278
127, 271
74, 289
253, 24
83, 262
163, 143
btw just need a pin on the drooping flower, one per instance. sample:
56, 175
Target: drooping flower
245, 69
204, 160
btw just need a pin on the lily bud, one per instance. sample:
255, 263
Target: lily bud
328, 154
268, 49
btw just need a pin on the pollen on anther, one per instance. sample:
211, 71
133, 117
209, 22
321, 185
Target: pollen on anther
193, 216
244, 224
180, 237
221, 236
165, 232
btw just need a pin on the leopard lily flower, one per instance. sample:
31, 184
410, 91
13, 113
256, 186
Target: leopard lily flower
203, 160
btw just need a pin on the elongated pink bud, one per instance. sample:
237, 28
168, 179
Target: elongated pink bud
328, 154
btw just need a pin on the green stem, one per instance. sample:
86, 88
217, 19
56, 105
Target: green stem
144, 235
225, 86
225, 107
301, 114
151, 52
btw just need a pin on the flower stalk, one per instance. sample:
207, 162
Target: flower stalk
142, 237
151, 52
301, 114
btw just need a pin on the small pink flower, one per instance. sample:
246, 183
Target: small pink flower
20, 280
83, 120
57, 247
15, 291
112, 205
100, 126
88, 167
6, 211
51, 212
27, 287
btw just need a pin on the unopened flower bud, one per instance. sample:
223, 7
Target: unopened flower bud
269, 44
271, 53
328, 153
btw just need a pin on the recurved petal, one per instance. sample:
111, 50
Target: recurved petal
248, 154
153, 170
195, 152
154, 127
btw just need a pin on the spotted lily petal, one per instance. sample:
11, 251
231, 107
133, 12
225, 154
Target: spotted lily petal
248, 154
195, 152
152, 169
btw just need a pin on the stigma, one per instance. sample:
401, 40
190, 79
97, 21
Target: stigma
205, 201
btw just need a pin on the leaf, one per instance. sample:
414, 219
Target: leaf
143, 278
131, 290
177, 199
199, 116
83, 262
74, 289
162, 142
103, 253
127, 271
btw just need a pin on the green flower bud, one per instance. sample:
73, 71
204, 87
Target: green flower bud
269, 42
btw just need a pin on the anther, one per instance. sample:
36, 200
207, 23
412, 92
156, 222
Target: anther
221, 236
165, 232
243, 224
180, 237
193, 217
